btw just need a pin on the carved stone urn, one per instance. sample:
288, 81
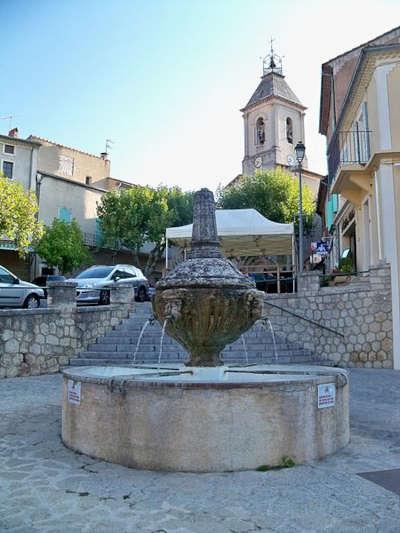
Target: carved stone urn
206, 302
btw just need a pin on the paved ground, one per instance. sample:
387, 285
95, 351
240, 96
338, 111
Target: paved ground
44, 487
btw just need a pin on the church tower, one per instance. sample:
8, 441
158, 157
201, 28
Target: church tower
273, 121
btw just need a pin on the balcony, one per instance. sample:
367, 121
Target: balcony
348, 154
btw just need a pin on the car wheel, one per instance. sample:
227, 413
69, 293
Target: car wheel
104, 298
31, 302
141, 297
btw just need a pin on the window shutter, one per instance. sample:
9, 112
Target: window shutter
64, 214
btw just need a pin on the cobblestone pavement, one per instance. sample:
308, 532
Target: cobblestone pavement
45, 487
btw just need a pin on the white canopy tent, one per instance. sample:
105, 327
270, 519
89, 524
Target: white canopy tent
242, 232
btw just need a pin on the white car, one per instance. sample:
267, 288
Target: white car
94, 283
17, 293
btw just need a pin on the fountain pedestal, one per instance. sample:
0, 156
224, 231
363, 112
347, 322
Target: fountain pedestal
206, 421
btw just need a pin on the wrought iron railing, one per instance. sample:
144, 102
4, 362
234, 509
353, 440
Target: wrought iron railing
348, 148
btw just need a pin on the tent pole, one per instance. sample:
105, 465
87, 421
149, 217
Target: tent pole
166, 254
278, 279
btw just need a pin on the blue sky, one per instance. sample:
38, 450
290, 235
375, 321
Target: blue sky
165, 79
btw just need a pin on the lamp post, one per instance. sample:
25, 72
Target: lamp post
300, 150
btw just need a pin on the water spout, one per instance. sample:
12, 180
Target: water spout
149, 321
265, 321
162, 341
245, 348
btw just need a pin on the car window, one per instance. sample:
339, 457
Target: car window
123, 274
5, 276
97, 272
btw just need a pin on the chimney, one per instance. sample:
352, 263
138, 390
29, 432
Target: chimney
13, 132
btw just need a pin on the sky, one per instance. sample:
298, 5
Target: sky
165, 79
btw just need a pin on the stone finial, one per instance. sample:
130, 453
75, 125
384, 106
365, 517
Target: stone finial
61, 294
205, 242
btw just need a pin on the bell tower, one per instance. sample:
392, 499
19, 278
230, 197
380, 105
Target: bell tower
273, 120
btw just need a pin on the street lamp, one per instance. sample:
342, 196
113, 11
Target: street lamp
300, 150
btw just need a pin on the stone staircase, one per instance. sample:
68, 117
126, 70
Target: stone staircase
118, 346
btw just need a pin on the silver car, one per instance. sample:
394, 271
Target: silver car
17, 293
94, 283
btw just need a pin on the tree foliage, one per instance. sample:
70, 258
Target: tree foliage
129, 218
62, 246
18, 215
274, 193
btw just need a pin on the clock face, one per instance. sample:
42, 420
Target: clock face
257, 162
291, 160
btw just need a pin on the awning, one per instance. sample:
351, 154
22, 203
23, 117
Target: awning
242, 232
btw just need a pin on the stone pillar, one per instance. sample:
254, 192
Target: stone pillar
122, 293
308, 282
62, 295
205, 242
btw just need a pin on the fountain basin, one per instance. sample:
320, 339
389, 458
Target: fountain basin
204, 419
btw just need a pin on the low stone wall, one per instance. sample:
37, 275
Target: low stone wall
348, 324
40, 341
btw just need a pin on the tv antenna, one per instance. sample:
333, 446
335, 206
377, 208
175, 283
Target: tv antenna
9, 118
109, 143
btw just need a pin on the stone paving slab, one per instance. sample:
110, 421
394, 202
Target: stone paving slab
46, 488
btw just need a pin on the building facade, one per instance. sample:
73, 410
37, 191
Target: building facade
360, 117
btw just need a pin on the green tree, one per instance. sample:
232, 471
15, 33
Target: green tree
62, 246
18, 215
274, 193
129, 218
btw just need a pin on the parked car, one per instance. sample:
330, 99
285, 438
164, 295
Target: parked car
94, 283
42, 281
17, 293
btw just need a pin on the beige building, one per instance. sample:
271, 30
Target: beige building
360, 116
18, 161
68, 183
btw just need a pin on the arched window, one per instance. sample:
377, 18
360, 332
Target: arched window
260, 131
289, 130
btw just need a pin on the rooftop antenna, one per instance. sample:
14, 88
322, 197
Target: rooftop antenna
9, 118
272, 62
109, 144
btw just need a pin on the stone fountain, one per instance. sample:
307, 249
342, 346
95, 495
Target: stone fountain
205, 416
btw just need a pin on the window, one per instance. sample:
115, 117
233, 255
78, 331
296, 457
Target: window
8, 167
95, 272
88, 180
5, 276
289, 130
9, 149
260, 131
65, 214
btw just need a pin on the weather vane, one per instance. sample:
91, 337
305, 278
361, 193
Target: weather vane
272, 62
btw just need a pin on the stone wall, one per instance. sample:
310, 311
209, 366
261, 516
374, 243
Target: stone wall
40, 341
349, 324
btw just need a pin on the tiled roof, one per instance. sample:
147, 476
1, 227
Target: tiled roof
273, 84
43, 140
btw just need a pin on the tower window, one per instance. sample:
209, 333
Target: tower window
260, 131
289, 130
88, 180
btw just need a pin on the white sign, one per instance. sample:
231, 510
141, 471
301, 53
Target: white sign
74, 392
326, 395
